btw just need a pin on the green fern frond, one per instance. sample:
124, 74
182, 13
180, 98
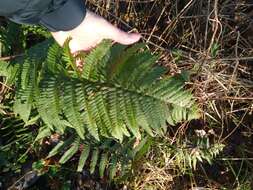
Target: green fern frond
70, 152
102, 164
25, 89
60, 147
113, 167
107, 157
120, 92
94, 159
83, 157
119, 99
43, 132
98, 56
48, 104
72, 110
14, 132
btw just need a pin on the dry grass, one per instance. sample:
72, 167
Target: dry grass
212, 40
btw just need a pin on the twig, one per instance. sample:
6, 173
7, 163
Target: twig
8, 58
172, 24
232, 98
216, 27
237, 126
234, 159
233, 59
237, 61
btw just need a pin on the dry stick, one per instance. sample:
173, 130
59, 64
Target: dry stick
204, 61
194, 33
232, 98
1, 44
13, 186
237, 126
237, 61
150, 12
172, 24
234, 159
216, 27
153, 30
6, 86
8, 58
153, 36
246, 42
206, 28
237, 110
234, 59
233, 78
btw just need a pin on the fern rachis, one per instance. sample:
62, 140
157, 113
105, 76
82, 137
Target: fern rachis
119, 94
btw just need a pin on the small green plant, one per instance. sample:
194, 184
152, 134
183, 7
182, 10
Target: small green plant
215, 49
16, 138
118, 98
187, 153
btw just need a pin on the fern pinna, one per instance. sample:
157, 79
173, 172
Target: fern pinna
119, 94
